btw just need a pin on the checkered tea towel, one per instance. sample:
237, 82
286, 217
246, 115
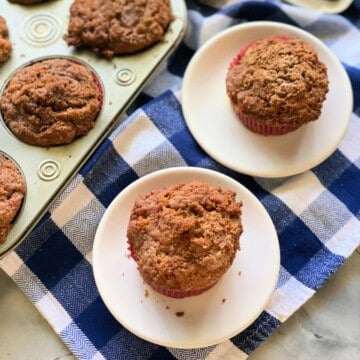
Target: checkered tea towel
316, 213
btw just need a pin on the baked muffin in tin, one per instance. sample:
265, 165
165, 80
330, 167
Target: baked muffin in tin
117, 27
51, 102
12, 191
5, 44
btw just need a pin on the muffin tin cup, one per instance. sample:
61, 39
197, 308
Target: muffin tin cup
36, 33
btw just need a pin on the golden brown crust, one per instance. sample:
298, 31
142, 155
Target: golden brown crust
278, 81
185, 237
117, 27
5, 44
12, 189
51, 102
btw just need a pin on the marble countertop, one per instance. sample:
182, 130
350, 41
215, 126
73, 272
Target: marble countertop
326, 327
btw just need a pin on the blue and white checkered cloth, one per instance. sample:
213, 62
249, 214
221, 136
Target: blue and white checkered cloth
316, 213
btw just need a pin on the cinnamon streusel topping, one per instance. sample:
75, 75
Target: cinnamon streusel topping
185, 237
278, 81
117, 27
51, 102
5, 44
12, 189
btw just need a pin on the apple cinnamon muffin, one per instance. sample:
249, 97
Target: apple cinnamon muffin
5, 44
12, 190
117, 27
185, 237
51, 102
277, 84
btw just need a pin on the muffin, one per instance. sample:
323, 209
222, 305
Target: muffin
5, 44
12, 189
184, 237
117, 27
51, 102
277, 84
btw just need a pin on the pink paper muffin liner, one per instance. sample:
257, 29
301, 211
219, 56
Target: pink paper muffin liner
264, 129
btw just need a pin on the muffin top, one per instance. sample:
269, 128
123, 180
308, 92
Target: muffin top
51, 102
278, 81
5, 44
185, 236
12, 189
117, 27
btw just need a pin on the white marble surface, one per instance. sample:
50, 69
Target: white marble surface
326, 327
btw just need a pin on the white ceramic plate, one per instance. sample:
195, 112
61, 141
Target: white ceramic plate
326, 6
210, 318
211, 120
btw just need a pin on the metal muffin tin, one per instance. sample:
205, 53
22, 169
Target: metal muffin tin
36, 33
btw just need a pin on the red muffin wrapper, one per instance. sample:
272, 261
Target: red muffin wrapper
265, 129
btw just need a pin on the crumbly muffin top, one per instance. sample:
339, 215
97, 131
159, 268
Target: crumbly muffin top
51, 102
12, 189
117, 27
278, 81
5, 44
185, 236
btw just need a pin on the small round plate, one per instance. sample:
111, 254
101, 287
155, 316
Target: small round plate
326, 6
210, 318
214, 125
